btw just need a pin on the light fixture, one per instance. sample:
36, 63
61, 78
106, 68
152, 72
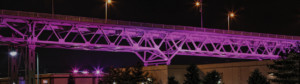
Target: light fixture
75, 71
231, 14
85, 72
197, 3
97, 72
13, 53
109, 1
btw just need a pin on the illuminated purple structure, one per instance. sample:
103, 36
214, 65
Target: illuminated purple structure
153, 43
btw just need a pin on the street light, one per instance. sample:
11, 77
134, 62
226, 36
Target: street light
13, 53
199, 4
230, 15
106, 5
37, 68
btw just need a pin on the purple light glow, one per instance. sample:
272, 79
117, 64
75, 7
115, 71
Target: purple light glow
97, 71
85, 72
75, 71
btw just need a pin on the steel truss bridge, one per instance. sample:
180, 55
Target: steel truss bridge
153, 43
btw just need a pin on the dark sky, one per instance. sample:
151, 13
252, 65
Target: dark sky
265, 16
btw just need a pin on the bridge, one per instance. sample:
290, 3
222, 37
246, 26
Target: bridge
153, 43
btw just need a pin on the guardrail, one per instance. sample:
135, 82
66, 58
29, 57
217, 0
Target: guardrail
129, 23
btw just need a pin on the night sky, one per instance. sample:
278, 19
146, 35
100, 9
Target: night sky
265, 16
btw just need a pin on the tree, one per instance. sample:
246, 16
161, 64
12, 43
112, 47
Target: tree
71, 80
212, 78
118, 75
171, 80
286, 70
127, 75
192, 75
257, 78
138, 74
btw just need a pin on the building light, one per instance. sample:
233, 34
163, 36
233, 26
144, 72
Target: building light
97, 72
75, 71
271, 76
45, 81
220, 81
85, 72
149, 79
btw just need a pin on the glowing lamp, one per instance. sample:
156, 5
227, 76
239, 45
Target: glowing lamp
109, 1
75, 71
197, 3
45, 81
231, 14
13, 53
97, 71
85, 72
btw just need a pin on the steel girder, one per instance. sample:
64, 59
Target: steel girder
152, 45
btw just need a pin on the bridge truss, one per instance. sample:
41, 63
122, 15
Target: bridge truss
152, 45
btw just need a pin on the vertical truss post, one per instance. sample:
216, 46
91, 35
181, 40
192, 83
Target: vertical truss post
30, 65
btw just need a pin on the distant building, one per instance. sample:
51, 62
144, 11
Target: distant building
232, 73
62, 78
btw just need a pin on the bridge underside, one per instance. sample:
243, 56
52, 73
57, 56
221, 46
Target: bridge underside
152, 45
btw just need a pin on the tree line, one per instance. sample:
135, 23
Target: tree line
285, 70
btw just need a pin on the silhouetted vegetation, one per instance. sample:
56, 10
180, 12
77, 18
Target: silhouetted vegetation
257, 78
192, 76
127, 75
212, 77
171, 80
286, 70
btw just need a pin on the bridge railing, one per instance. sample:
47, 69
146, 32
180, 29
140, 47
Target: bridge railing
129, 23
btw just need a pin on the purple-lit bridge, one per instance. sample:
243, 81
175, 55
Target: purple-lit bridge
153, 43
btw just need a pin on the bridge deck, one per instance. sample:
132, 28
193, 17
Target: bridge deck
152, 43
130, 23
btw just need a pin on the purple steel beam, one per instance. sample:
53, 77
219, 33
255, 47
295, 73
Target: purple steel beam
154, 46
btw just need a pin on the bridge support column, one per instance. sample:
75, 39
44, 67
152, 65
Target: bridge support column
30, 65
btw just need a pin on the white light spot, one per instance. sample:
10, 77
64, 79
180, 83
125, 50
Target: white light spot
13, 53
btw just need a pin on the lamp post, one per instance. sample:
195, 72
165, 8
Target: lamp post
37, 68
199, 4
230, 15
14, 54
52, 8
106, 6
13, 67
